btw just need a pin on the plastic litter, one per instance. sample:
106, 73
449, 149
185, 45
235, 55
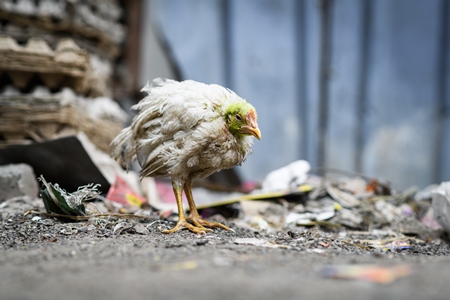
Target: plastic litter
123, 194
372, 273
286, 178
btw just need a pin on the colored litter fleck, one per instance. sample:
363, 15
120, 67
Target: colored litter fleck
258, 242
186, 265
389, 244
121, 192
396, 245
371, 273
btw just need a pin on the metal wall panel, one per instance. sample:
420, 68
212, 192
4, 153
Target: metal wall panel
356, 85
402, 98
264, 72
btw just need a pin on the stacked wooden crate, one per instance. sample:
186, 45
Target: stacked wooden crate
57, 64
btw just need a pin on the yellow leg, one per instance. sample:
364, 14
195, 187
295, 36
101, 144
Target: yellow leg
194, 217
182, 222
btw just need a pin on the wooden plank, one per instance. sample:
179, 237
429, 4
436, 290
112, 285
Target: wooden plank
263, 71
402, 93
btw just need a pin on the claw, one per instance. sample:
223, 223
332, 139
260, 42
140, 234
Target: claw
194, 217
182, 224
198, 224
198, 221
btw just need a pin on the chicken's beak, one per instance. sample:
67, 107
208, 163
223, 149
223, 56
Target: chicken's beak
256, 132
252, 131
251, 126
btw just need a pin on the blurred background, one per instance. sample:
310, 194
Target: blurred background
355, 85
348, 84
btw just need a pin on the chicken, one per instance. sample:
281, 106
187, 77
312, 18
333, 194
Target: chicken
187, 130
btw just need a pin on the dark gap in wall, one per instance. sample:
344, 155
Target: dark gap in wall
440, 172
324, 76
300, 38
364, 70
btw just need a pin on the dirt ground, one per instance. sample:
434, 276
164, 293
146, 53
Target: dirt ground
44, 258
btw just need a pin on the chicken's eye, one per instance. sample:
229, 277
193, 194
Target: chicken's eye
238, 118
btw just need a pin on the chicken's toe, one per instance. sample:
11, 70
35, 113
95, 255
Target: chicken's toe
203, 223
199, 229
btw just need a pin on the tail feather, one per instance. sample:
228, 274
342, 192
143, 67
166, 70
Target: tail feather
123, 148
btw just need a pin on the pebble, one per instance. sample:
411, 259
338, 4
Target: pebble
16, 231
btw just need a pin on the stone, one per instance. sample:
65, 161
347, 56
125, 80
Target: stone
17, 180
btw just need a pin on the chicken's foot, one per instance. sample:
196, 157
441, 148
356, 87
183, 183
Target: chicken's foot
182, 222
194, 217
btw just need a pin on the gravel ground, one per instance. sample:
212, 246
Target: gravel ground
44, 258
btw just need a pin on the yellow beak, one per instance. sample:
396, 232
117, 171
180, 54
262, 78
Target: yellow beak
253, 131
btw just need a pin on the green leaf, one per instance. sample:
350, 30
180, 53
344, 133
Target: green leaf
62, 203
55, 201
50, 205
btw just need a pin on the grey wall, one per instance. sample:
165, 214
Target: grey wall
352, 84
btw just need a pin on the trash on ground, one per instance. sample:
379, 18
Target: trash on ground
58, 201
119, 227
335, 203
392, 245
309, 218
286, 178
352, 212
65, 156
372, 273
207, 198
123, 194
258, 242
441, 205
179, 266
343, 198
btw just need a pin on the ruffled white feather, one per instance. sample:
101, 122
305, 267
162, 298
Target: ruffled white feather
180, 131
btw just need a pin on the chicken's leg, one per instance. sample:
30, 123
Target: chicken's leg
194, 217
182, 222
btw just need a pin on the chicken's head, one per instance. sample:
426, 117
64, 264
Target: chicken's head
241, 119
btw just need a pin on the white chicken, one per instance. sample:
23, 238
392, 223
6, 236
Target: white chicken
187, 130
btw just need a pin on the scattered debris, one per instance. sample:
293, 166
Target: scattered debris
441, 205
61, 204
58, 201
54, 157
123, 194
186, 265
310, 219
372, 273
393, 245
119, 227
342, 197
286, 178
258, 242
141, 229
